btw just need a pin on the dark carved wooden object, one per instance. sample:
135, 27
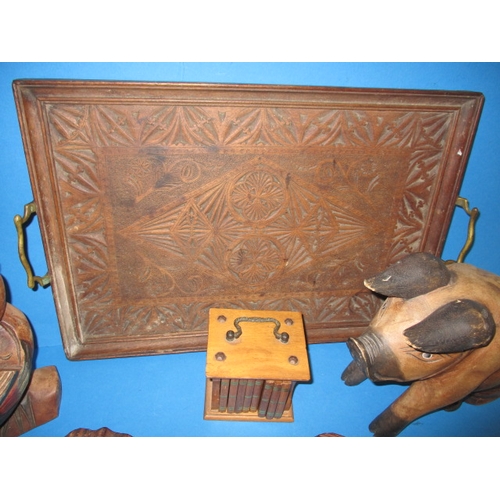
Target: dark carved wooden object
160, 201
102, 432
27, 398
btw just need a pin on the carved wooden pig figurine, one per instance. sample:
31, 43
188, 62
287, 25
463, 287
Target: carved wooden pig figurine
436, 330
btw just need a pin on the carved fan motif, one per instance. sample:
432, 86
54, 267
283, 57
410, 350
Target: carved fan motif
178, 226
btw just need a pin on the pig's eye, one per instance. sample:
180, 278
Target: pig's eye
426, 355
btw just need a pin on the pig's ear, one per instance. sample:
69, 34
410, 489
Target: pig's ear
416, 274
455, 327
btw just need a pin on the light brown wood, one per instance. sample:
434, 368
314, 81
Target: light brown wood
254, 360
257, 354
443, 342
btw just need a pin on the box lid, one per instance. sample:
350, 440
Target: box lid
249, 344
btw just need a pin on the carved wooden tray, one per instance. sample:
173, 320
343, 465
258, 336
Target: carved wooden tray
158, 201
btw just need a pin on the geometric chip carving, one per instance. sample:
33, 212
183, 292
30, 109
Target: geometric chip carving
157, 209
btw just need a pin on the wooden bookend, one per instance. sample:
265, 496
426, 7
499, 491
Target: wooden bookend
39, 405
254, 360
16, 356
27, 398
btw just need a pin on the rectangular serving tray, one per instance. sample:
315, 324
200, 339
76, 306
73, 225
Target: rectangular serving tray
159, 201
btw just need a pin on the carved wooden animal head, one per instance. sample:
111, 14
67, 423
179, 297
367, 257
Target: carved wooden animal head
417, 332
436, 330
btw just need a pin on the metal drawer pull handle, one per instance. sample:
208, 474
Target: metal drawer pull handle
282, 337
29, 211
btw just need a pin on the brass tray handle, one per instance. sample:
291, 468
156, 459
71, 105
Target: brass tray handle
473, 215
29, 211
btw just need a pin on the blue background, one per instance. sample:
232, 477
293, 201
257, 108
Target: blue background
164, 395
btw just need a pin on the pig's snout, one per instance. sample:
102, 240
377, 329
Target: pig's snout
374, 357
365, 351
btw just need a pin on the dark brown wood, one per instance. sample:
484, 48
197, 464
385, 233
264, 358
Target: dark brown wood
102, 432
28, 398
16, 356
158, 201
39, 405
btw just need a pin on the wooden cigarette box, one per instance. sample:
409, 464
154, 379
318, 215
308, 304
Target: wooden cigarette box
254, 361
